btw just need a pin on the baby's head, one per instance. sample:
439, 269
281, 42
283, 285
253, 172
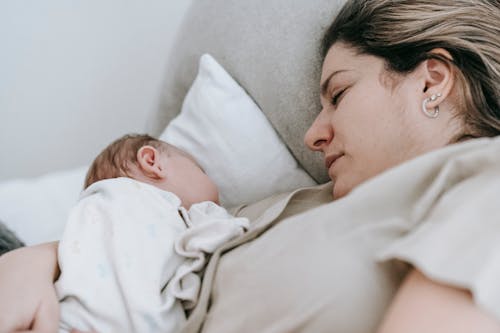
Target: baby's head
155, 162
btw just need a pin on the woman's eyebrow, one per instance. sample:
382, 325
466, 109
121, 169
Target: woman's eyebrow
324, 85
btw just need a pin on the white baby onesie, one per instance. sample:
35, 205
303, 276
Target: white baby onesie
119, 266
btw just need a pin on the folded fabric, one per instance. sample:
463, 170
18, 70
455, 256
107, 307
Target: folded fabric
319, 263
210, 226
116, 258
129, 257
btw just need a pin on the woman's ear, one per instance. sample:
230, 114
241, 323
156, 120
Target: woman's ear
439, 76
150, 162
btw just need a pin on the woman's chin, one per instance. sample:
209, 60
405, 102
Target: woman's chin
340, 190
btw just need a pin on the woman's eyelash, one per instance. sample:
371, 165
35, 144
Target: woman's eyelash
335, 98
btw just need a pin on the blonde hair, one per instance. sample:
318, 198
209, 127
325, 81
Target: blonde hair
402, 32
115, 160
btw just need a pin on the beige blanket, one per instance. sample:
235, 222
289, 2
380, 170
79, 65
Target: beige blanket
311, 265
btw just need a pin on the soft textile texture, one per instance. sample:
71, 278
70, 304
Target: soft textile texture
232, 140
311, 265
271, 47
209, 226
36, 209
116, 255
120, 271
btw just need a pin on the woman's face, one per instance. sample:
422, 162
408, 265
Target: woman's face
370, 119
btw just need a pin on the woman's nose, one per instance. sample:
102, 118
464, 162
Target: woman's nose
320, 134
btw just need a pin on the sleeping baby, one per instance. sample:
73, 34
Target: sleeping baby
135, 243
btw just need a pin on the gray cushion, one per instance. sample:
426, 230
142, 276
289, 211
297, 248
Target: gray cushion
271, 47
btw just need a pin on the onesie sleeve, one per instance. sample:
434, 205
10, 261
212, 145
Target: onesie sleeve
458, 241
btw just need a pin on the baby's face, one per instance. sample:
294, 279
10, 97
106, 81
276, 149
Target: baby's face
186, 179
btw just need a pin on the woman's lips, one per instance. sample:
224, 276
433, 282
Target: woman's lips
330, 159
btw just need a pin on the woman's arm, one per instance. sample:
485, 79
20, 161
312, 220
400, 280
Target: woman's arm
422, 305
27, 296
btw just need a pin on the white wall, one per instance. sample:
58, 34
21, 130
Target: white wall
74, 75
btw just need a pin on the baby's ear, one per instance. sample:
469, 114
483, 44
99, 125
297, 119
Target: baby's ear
150, 162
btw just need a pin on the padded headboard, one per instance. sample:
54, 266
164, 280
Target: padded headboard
271, 47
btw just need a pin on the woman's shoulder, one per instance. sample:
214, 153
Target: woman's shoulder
454, 236
310, 197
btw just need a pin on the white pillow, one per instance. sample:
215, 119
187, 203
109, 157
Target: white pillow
219, 125
36, 209
227, 133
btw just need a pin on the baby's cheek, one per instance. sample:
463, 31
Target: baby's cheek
214, 194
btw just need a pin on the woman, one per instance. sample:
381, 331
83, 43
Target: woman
400, 80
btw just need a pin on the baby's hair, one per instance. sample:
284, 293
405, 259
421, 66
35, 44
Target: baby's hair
115, 160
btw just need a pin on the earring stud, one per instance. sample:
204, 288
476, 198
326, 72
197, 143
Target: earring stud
435, 96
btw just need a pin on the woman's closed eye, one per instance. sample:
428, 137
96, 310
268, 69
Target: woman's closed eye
337, 97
